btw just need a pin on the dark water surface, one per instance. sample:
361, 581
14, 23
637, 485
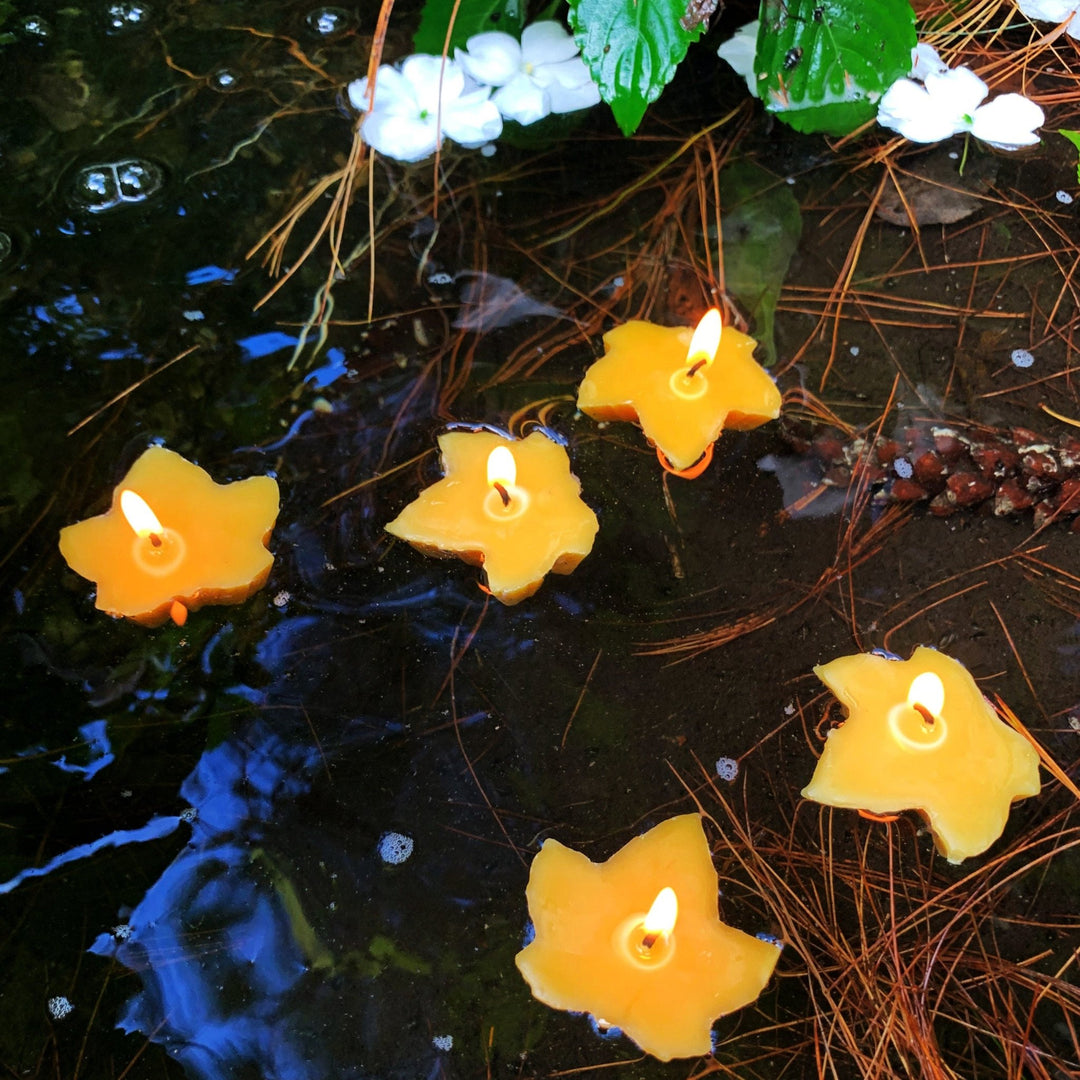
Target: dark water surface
190, 818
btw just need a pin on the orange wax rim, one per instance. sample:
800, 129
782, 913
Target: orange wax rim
544, 528
633, 381
214, 549
962, 773
581, 958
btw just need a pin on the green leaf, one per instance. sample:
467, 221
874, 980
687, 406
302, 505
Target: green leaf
762, 224
822, 65
473, 17
632, 48
1074, 138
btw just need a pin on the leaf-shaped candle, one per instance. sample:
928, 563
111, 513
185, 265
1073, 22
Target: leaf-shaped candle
174, 540
682, 386
636, 941
920, 736
511, 506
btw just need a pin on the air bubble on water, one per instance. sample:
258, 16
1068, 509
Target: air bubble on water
328, 21
903, 467
395, 848
443, 1042
727, 768
1021, 358
59, 1007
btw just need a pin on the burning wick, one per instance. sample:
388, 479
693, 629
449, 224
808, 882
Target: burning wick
926, 696
660, 920
140, 517
705, 342
502, 472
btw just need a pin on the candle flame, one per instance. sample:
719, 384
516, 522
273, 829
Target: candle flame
927, 692
662, 915
501, 467
139, 515
706, 340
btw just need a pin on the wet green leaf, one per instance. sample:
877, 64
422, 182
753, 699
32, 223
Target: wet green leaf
473, 17
632, 49
761, 229
823, 65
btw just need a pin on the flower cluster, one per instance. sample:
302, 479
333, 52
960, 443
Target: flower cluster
937, 102
495, 77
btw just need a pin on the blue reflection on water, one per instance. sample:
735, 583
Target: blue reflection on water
97, 740
212, 939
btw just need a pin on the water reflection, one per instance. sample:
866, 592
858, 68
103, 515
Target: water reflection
214, 941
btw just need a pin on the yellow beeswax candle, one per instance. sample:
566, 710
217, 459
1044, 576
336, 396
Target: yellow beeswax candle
920, 736
683, 387
174, 540
511, 506
636, 941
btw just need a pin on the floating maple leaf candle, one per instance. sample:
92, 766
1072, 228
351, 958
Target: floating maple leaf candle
636, 941
511, 506
920, 736
174, 540
683, 387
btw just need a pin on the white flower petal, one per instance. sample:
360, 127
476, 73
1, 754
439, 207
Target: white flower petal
925, 60
958, 92
909, 109
1056, 11
739, 51
398, 136
493, 58
392, 91
569, 73
546, 42
1008, 122
566, 98
357, 91
473, 120
522, 100
428, 74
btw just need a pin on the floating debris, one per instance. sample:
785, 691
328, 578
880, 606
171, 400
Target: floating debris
727, 769
395, 848
1007, 472
59, 1007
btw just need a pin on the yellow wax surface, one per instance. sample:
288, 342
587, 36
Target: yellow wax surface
546, 527
579, 961
632, 381
214, 542
962, 777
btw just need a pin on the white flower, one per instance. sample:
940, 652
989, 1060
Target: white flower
406, 120
739, 52
542, 74
1055, 11
948, 102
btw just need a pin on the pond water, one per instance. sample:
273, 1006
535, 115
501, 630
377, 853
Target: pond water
291, 838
